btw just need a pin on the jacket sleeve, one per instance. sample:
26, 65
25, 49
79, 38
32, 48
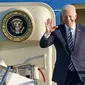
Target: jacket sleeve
45, 42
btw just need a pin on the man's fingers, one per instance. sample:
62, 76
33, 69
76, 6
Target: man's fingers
49, 21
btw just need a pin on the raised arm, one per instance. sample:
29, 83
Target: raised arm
47, 38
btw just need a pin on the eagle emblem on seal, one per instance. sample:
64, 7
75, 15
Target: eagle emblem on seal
17, 26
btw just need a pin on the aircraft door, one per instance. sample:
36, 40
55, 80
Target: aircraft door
22, 26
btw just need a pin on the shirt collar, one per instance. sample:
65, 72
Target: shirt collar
73, 26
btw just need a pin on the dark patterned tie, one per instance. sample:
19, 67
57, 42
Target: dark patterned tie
71, 46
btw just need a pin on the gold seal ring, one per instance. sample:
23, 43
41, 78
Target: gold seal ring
17, 25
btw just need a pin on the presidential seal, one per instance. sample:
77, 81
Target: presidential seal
17, 25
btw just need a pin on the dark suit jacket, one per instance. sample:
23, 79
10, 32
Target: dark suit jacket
58, 38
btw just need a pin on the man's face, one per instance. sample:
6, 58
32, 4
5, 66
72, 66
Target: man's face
69, 16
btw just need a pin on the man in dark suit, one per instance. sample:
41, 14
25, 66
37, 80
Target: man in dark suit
69, 42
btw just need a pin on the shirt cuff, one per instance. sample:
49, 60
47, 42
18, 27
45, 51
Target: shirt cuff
46, 35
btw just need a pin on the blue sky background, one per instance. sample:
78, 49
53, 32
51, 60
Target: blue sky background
53, 3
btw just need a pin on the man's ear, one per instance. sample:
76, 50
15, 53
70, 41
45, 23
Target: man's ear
75, 16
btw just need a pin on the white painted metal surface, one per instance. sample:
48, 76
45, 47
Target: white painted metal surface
13, 53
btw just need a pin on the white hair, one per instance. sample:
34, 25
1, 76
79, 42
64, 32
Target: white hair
67, 7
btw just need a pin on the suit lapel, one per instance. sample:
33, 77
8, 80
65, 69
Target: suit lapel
77, 35
61, 34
